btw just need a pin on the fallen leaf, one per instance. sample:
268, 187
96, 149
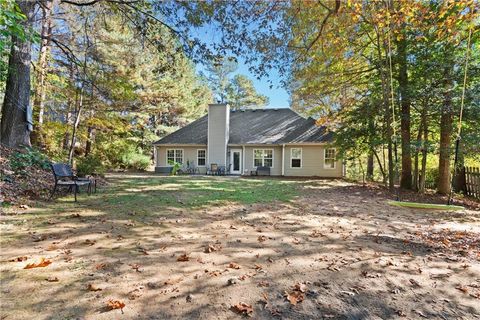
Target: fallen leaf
115, 304
172, 281
414, 283
18, 259
52, 279
211, 248
101, 266
136, 267
184, 257
440, 275
93, 287
263, 284
233, 265
134, 294
52, 247
90, 242
43, 263
262, 238
294, 297
144, 251
300, 287
242, 308
464, 289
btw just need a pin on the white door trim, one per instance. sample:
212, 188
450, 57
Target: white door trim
232, 169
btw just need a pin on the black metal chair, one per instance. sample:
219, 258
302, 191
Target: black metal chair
64, 176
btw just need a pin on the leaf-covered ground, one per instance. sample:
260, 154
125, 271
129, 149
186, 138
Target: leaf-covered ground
148, 247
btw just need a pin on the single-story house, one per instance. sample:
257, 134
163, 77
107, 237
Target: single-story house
242, 140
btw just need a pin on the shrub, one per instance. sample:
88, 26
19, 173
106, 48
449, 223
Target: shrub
30, 157
175, 167
136, 161
89, 165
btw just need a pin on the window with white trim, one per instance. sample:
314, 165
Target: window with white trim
296, 158
201, 157
174, 155
330, 160
263, 158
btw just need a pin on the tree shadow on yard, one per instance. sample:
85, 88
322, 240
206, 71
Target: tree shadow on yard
154, 242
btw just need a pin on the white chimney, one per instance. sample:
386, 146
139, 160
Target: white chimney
218, 133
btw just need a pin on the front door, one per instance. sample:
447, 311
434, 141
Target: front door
236, 161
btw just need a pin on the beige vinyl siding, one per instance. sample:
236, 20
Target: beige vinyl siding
277, 159
312, 163
189, 153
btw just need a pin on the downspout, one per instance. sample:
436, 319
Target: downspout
243, 161
283, 159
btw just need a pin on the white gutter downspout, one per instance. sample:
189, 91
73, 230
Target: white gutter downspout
243, 161
283, 159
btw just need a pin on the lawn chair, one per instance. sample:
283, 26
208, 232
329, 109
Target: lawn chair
222, 170
64, 176
213, 169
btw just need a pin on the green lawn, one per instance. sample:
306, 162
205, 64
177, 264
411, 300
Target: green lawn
192, 192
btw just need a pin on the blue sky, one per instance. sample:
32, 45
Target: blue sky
278, 96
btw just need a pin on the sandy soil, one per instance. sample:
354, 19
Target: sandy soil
338, 250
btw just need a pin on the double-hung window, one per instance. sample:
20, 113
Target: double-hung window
296, 158
330, 158
263, 158
201, 157
174, 155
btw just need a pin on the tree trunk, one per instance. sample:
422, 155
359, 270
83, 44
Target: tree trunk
76, 122
384, 176
40, 92
406, 179
90, 140
387, 115
66, 138
417, 153
14, 127
370, 166
421, 186
446, 120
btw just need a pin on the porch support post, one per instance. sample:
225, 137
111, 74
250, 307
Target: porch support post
283, 159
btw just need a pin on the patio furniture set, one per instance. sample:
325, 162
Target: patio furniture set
217, 170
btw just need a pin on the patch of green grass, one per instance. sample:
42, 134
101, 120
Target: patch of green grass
147, 198
201, 191
433, 206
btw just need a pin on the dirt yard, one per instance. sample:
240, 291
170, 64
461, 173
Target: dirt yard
149, 247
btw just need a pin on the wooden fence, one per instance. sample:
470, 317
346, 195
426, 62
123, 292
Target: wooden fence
472, 182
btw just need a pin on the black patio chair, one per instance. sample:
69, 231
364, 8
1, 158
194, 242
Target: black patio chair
64, 176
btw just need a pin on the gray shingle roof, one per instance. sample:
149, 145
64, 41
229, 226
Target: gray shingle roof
257, 126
